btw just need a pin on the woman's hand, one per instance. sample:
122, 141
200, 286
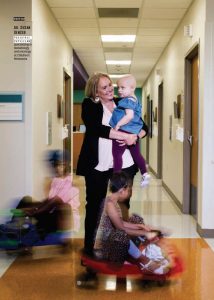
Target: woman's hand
123, 138
130, 139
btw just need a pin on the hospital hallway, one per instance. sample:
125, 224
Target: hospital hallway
55, 124
52, 274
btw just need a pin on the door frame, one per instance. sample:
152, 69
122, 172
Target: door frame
187, 128
160, 132
148, 124
67, 112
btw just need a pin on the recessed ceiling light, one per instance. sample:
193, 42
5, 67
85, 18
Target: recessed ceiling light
118, 62
116, 75
118, 38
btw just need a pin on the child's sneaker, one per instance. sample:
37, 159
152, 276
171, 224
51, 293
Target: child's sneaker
145, 179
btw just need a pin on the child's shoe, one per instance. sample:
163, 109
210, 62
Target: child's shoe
154, 267
145, 179
154, 252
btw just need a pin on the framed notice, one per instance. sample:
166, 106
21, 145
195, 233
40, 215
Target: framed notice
11, 107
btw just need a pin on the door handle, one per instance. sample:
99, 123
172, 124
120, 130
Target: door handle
67, 126
190, 139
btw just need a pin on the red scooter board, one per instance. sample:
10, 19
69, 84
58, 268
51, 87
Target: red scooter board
129, 268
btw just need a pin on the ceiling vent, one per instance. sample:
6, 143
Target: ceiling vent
118, 12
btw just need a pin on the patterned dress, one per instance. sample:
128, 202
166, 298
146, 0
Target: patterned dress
112, 244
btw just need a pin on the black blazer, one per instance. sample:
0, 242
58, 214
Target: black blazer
92, 114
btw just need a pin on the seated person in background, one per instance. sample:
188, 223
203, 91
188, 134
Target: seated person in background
54, 213
116, 238
127, 117
62, 187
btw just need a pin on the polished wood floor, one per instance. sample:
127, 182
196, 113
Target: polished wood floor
55, 278
52, 273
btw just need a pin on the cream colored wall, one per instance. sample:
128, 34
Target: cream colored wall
206, 159
171, 64
51, 53
40, 79
15, 77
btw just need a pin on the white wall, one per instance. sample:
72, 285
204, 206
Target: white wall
171, 64
15, 77
51, 53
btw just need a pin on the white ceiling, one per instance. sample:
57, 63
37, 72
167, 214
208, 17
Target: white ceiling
157, 21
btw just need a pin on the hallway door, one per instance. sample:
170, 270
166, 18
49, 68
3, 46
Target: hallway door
160, 131
190, 146
194, 138
67, 114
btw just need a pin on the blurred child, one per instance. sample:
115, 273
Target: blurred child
62, 198
127, 117
62, 187
116, 238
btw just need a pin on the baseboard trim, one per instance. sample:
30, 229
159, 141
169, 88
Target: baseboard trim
205, 233
177, 202
153, 172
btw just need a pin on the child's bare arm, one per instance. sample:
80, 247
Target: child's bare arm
136, 226
126, 119
119, 224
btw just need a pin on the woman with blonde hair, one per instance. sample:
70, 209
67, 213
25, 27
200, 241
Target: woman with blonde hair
95, 161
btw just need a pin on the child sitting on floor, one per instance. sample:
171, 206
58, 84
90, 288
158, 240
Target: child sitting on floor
116, 239
54, 213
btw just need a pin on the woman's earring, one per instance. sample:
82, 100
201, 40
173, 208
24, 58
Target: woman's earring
97, 99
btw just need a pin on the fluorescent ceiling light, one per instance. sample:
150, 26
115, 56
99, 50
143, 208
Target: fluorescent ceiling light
118, 62
118, 38
116, 75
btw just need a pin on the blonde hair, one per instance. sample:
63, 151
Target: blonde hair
130, 79
92, 84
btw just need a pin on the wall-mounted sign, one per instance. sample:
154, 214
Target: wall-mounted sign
11, 107
22, 38
180, 134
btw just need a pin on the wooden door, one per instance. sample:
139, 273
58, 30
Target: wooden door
77, 121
